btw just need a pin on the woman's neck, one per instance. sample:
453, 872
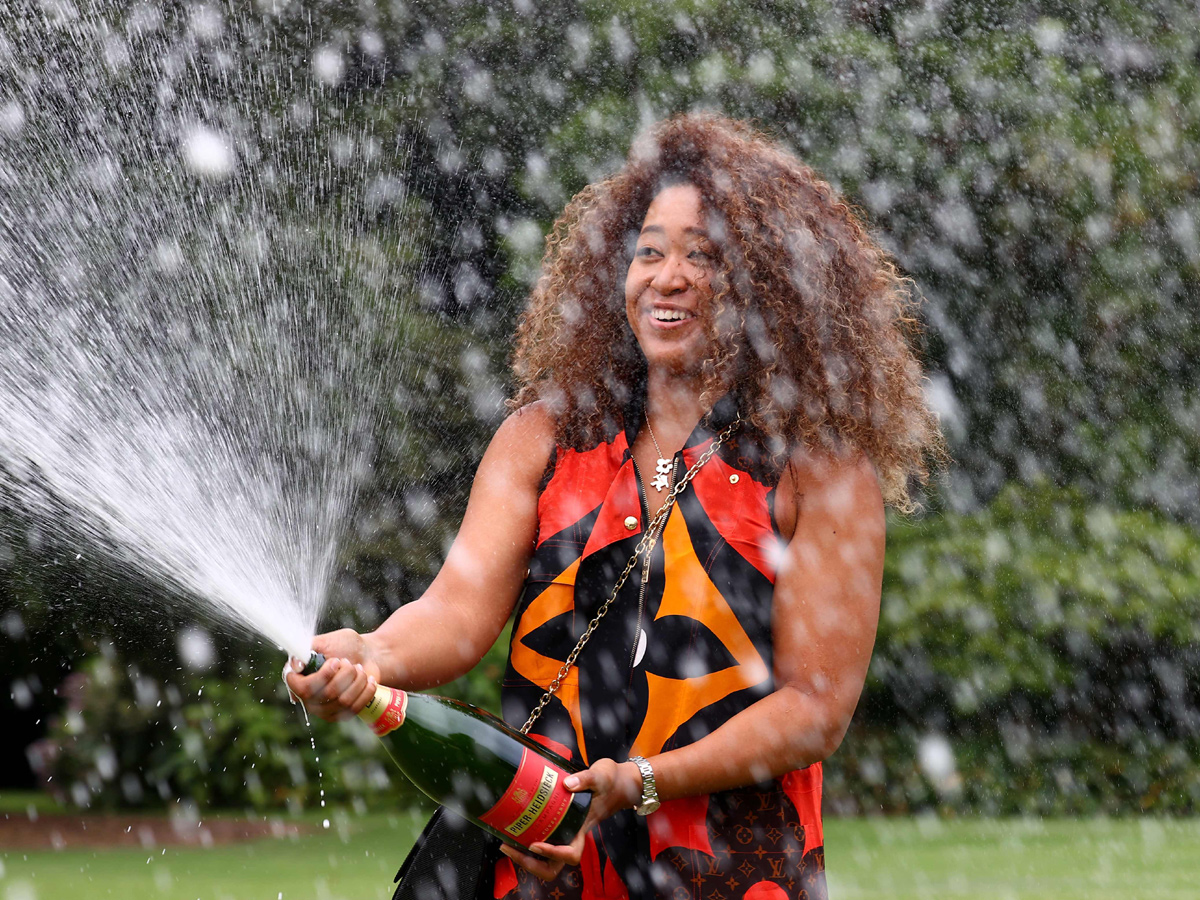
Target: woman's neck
673, 407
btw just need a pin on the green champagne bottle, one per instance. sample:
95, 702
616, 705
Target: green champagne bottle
474, 763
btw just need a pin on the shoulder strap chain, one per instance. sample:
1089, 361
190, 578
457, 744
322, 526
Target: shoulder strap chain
646, 546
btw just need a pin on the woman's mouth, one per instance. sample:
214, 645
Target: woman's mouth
670, 315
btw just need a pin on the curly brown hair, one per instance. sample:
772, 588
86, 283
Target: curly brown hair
809, 324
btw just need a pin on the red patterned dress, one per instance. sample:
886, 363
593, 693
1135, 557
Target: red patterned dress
673, 659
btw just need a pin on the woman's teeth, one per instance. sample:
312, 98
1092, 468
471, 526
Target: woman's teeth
670, 315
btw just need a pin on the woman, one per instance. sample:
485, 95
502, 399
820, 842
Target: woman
758, 317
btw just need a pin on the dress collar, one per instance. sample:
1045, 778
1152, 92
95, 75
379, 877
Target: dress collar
711, 424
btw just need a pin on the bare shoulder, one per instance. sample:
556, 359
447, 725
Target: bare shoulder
530, 425
825, 484
524, 440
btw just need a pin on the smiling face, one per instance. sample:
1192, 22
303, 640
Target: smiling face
667, 287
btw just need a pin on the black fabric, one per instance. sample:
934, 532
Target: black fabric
690, 639
451, 860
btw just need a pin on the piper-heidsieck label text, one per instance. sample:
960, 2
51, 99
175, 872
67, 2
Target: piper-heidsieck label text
535, 802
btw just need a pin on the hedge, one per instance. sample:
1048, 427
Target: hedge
1039, 656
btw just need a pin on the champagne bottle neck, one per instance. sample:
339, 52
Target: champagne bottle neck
386, 710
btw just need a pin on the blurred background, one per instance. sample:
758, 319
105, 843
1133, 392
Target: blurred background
1033, 166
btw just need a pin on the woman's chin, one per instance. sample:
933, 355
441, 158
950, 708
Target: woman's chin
675, 352
675, 365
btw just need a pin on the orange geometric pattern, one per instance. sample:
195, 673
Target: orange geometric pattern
689, 592
703, 655
557, 598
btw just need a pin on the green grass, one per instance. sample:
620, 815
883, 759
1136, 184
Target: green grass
355, 859
357, 856
1013, 859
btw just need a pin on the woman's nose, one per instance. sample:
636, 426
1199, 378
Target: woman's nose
671, 276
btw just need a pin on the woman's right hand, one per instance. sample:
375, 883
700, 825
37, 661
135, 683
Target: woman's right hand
345, 684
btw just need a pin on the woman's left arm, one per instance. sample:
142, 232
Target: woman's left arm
824, 617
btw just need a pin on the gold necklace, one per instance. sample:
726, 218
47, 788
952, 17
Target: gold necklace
662, 477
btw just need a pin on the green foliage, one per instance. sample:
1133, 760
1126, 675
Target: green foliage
127, 738
1032, 166
1054, 642
1022, 594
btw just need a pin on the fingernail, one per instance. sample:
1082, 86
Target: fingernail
571, 782
371, 680
358, 666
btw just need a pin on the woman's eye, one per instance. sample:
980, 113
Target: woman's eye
646, 251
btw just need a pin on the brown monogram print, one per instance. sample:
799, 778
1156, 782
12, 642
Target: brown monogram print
759, 854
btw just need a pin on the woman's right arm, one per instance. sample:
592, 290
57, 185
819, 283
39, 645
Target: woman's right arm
445, 632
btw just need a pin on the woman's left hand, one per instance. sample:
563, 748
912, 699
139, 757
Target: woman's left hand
614, 786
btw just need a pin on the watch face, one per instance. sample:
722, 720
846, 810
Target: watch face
648, 807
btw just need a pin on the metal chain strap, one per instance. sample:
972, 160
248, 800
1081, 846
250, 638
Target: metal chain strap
645, 545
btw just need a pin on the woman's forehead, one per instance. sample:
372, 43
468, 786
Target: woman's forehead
679, 206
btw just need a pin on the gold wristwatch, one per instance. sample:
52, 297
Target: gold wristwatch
650, 801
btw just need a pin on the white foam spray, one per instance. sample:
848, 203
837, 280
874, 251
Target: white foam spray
197, 323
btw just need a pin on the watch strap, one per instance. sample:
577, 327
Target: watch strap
650, 801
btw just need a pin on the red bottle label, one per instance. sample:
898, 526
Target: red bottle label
385, 712
534, 804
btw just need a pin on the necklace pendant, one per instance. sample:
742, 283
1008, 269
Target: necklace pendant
663, 478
